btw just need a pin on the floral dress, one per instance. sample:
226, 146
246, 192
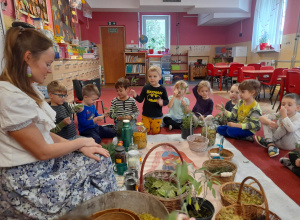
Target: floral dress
43, 189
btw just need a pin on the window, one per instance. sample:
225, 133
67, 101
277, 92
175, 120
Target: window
157, 29
268, 24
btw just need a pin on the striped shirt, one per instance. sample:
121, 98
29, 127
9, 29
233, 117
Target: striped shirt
251, 120
123, 107
63, 111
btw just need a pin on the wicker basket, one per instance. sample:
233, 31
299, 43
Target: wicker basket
197, 143
225, 151
170, 203
226, 201
220, 163
249, 212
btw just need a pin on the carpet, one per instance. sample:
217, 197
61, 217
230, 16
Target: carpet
278, 201
271, 167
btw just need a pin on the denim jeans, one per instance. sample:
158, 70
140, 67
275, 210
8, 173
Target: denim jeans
232, 132
99, 132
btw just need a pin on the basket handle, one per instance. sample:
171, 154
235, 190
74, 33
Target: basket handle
204, 122
262, 192
147, 155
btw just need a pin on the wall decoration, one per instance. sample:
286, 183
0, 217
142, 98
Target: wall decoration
62, 19
33, 8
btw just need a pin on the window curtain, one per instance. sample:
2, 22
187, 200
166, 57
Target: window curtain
268, 22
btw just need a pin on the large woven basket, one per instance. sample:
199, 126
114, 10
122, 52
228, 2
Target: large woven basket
248, 212
220, 163
170, 203
225, 151
226, 201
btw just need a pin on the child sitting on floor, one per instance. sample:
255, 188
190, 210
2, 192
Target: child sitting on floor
177, 105
293, 162
234, 96
245, 114
156, 97
285, 132
204, 104
123, 107
65, 126
87, 119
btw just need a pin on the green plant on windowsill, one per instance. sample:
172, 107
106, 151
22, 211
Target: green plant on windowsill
264, 38
151, 44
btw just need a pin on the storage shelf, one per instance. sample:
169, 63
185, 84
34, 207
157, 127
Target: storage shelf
178, 63
179, 71
134, 73
266, 51
183, 55
135, 62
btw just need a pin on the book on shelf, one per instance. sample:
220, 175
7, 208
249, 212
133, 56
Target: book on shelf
135, 68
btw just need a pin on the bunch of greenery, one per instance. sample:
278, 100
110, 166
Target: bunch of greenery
162, 188
134, 81
189, 118
264, 38
197, 184
220, 118
111, 149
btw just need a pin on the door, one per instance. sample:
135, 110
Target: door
113, 47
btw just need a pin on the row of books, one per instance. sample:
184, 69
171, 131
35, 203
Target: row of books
130, 58
135, 68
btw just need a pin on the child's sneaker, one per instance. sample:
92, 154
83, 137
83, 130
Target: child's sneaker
261, 141
285, 161
170, 127
273, 151
248, 138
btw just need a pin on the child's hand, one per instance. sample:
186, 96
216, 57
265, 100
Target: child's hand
133, 93
160, 102
283, 112
273, 125
99, 118
128, 117
80, 109
67, 121
297, 162
183, 103
106, 114
218, 106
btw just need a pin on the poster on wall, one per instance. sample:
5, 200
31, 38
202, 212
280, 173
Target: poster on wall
62, 19
33, 8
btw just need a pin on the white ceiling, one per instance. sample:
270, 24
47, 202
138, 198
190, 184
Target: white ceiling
209, 12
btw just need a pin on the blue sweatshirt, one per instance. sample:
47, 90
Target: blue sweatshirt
85, 118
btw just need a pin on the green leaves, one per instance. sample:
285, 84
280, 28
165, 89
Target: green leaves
134, 81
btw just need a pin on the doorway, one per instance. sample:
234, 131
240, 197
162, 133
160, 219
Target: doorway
113, 47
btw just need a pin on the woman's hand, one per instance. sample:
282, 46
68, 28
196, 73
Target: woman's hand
91, 151
88, 142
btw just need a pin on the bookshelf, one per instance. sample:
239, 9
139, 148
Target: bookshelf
179, 66
135, 66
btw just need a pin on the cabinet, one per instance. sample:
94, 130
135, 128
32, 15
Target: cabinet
179, 66
67, 70
197, 70
135, 66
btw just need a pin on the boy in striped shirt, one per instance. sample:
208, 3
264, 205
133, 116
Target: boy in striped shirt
244, 117
123, 106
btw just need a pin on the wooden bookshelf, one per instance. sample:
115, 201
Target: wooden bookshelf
135, 66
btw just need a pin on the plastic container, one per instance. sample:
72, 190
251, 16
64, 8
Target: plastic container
168, 79
140, 135
175, 67
126, 134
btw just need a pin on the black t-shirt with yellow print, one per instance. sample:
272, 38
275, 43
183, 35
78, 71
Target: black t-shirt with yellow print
151, 94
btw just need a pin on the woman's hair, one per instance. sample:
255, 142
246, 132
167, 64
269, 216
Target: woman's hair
181, 85
250, 85
56, 86
18, 41
155, 69
122, 82
90, 89
205, 83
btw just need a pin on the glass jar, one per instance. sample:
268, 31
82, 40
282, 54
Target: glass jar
140, 135
211, 134
134, 159
120, 154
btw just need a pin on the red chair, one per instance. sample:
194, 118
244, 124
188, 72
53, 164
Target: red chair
274, 81
255, 65
233, 63
212, 73
234, 70
265, 77
292, 80
242, 76
220, 64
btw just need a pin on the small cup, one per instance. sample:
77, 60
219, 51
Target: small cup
120, 168
130, 183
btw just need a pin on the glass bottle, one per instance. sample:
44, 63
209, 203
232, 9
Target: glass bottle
134, 159
126, 134
211, 134
140, 135
120, 154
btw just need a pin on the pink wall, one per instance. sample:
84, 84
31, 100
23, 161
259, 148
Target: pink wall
291, 16
189, 32
10, 11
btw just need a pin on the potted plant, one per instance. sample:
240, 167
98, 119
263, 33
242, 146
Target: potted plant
263, 41
197, 185
188, 124
151, 45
